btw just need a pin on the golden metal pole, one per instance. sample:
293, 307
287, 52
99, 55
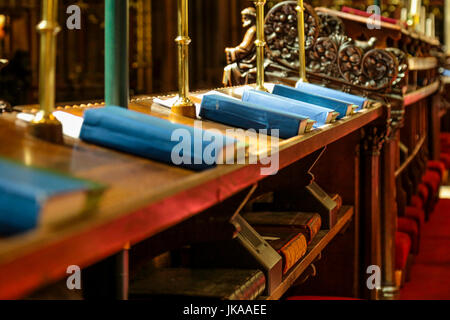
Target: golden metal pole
422, 20
183, 106
447, 26
45, 125
430, 26
301, 40
260, 44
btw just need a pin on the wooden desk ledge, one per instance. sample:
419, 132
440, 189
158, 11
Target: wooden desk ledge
143, 198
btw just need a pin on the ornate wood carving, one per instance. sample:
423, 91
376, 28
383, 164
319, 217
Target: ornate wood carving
282, 36
333, 58
373, 139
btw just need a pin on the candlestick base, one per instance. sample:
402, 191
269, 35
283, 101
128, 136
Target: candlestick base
301, 80
389, 293
262, 88
184, 107
47, 128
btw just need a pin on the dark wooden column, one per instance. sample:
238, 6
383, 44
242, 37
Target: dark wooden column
434, 127
372, 142
108, 279
388, 213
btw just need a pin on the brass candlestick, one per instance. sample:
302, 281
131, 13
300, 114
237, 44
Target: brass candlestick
183, 106
260, 44
301, 41
414, 13
430, 26
422, 20
447, 27
45, 125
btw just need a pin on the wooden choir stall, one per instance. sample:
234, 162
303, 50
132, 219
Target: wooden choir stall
330, 163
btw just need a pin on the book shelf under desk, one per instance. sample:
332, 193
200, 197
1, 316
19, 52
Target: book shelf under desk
320, 241
126, 211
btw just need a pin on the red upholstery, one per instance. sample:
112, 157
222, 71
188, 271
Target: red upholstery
319, 298
402, 249
432, 180
423, 193
444, 138
445, 141
438, 166
411, 228
445, 158
417, 202
416, 214
445, 144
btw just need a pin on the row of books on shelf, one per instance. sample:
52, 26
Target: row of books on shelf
273, 235
284, 111
254, 264
30, 195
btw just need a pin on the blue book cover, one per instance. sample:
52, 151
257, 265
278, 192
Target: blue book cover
446, 73
319, 114
331, 93
245, 115
27, 193
153, 138
344, 108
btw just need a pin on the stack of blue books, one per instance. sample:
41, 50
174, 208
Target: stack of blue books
344, 108
154, 138
292, 111
332, 94
241, 114
446, 73
319, 114
31, 196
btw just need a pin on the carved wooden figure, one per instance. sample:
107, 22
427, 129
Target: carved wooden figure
332, 58
241, 59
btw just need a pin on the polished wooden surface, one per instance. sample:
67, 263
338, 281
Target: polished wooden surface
422, 63
144, 197
394, 30
417, 95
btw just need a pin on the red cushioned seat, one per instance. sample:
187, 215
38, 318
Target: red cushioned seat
416, 214
432, 180
411, 228
445, 158
423, 193
417, 202
445, 135
402, 250
437, 166
319, 298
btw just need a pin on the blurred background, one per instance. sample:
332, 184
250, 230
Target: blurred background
214, 25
